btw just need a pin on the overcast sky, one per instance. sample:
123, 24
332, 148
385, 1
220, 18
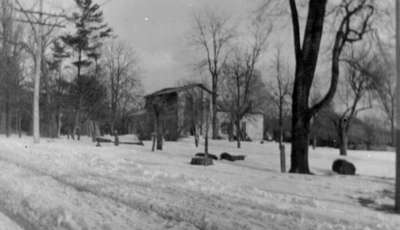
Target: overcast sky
158, 31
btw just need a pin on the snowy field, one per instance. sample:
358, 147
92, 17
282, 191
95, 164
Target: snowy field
65, 184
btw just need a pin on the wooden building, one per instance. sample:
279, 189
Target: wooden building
178, 111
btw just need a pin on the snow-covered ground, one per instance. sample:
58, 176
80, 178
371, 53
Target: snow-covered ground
65, 184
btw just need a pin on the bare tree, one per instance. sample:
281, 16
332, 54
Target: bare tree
280, 92
353, 95
212, 35
354, 23
38, 20
121, 70
242, 94
384, 79
243, 84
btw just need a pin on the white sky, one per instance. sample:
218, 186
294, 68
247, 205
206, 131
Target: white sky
158, 30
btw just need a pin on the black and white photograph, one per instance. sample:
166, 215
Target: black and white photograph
199, 114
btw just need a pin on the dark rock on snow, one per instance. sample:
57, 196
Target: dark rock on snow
201, 161
343, 167
229, 157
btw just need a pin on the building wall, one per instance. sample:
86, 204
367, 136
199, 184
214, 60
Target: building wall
254, 125
182, 111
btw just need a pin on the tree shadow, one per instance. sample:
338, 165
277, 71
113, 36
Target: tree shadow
371, 202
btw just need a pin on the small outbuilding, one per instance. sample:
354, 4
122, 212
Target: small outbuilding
180, 111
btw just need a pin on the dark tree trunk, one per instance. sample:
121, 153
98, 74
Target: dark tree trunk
92, 130
280, 121
238, 134
77, 125
159, 135
59, 122
300, 141
214, 125
153, 137
206, 136
7, 113
343, 140
392, 124
196, 136
283, 157
397, 107
306, 61
282, 153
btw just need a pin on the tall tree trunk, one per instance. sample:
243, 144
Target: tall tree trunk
77, 124
214, 125
282, 153
397, 188
36, 93
159, 135
7, 112
280, 122
392, 122
306, 62
300, 140
59, 122
238, 133
343, 139
196, 136
207, 129
114, 115
301, 123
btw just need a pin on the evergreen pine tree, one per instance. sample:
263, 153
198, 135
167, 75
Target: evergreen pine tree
90, 32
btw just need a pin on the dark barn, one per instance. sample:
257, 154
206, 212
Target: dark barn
182, 111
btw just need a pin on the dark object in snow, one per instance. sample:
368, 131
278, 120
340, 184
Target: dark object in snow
201, 161
102, 139
98, 144
129, 139
132, 143
229, 157
214, 157
122, 139
343, 167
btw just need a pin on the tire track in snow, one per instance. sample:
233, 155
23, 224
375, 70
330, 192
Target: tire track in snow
169, 213
140, 206
177, 210
28, 224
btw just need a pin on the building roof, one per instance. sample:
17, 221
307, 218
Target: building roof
178, 89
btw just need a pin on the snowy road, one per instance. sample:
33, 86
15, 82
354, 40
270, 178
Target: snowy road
73, 185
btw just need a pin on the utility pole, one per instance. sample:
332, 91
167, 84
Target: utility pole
397, 189
37, 22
